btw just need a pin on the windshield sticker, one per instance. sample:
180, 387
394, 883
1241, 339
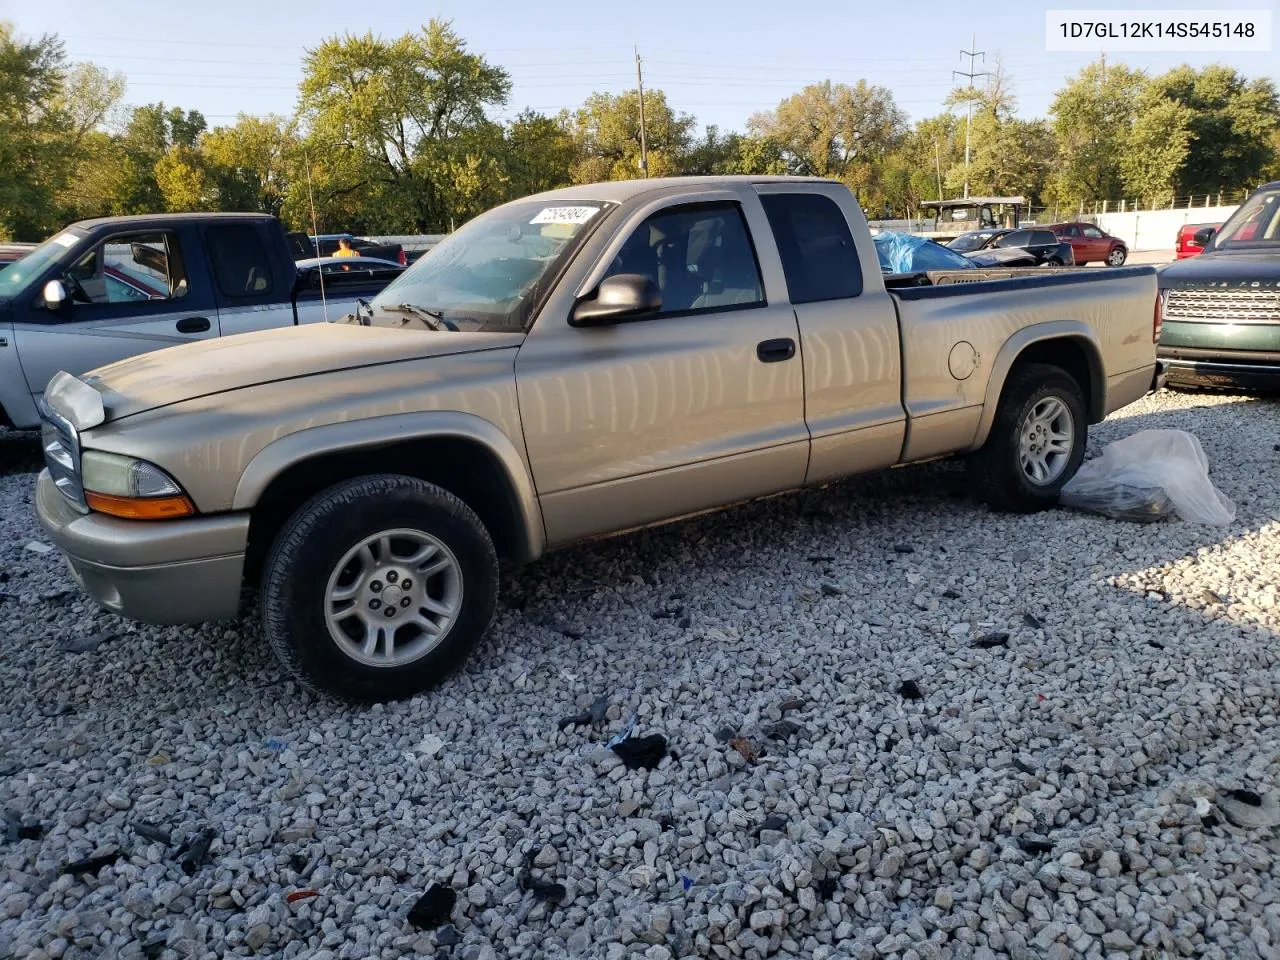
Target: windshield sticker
66, 240
565, 215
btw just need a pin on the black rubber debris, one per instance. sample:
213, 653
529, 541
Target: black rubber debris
774, 821
1035, 847
194, 852
298, 862
784, 730
1155, 643
593, 714
548, 892
1032, 621
989, 640
725, 734
646, 752
90, 864
149, 831
903, 548
1245, 796
85, 644
433, 908
1209, 821
827, 887
949, 594
910, 690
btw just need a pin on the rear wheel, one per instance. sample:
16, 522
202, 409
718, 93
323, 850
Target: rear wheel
1117, 257
378, 588
1036, 443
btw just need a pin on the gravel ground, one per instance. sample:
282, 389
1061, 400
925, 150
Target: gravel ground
1069, 793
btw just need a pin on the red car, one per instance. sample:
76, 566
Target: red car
1089, 244
1187, 246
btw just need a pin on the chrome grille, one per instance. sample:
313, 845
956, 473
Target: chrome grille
61, 447
1224, 305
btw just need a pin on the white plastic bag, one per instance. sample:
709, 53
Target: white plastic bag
1142, 476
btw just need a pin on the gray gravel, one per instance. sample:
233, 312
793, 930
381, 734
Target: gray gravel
1074, 793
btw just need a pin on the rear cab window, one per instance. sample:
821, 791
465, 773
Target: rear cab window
819, 260
241, 267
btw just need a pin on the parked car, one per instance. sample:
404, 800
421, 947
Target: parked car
1187, 245
1041, 246
353, 269
1222, 308
1091, 245
13, 252
307, 247
567, 366
103, 290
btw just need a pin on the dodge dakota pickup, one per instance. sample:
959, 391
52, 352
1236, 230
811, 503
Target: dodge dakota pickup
103, 290
566, 366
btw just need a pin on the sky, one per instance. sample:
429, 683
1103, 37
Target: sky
719, 60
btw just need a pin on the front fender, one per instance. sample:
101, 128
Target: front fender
1073, 330
284, 453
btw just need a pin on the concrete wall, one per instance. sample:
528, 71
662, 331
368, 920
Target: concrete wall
1157, 229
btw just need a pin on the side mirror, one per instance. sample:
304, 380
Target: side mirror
55, 295
622, 297
1203, 236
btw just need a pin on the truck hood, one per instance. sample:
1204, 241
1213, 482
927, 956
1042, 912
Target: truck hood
194, 370
1221, 267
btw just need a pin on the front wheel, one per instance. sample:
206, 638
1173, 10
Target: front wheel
1036, 443
1117, 257
378, 588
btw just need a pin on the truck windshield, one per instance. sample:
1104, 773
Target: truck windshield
1255, 223
15, 280
488, 275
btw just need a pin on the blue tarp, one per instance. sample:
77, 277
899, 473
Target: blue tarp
904, 253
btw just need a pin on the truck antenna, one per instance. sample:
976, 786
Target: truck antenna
315, 233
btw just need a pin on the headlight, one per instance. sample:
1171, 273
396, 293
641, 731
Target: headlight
134, 489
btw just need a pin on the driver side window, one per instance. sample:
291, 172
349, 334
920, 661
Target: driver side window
129, 268
699, 256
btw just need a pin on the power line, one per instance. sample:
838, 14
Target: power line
968, 121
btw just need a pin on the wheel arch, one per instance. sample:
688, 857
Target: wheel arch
1068, 344
465, 454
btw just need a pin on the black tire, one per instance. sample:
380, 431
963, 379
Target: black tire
316, 539
996, 471
1117, 257
1053, 262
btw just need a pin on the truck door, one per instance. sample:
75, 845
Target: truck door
129, 293
251, 294
697, 405
848, 330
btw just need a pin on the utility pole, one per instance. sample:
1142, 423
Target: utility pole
644, 148
968, 120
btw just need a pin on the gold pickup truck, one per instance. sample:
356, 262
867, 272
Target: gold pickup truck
566, 366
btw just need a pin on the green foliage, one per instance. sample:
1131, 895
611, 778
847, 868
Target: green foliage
606, 136
1230, 122
400, 135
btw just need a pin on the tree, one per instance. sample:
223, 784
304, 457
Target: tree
606, 135
537, 154
249, 163
913, 171
1092, 116
31, 81
1229, 121
383, 116
1156, 148
834, 130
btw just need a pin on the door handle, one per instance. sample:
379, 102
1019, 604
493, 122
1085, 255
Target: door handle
193, 324
772, 351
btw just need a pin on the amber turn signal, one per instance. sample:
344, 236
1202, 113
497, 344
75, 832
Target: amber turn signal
140, 508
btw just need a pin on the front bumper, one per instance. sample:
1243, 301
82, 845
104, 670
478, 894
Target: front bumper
164, 571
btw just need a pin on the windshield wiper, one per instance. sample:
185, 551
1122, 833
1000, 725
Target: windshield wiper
433, 320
